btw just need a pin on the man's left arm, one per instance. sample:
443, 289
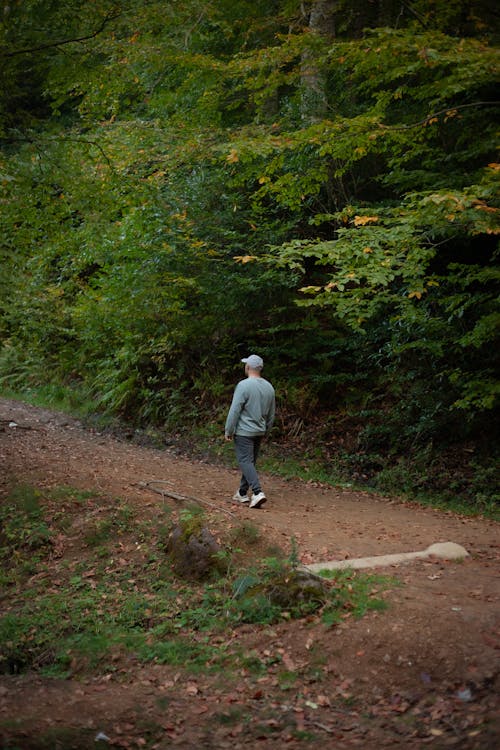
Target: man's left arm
271, 415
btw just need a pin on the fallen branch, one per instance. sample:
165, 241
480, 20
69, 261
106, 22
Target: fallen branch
180, 498
15, 425
319, 725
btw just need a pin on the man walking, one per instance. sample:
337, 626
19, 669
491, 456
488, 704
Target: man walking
250, 416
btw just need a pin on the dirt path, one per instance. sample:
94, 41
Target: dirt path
440, 636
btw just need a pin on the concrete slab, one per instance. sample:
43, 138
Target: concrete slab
442, 550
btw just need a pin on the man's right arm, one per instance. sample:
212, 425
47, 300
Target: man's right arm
237, 405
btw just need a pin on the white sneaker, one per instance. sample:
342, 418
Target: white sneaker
240, 498
257, 500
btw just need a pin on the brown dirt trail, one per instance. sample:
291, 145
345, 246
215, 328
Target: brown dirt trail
433, 654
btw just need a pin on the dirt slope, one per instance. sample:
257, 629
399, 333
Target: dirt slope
431, 662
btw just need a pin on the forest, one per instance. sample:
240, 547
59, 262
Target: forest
186, 182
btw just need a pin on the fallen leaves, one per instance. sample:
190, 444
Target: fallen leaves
192, 688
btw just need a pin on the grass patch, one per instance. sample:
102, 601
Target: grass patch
368, 589
21, 521
75, 400
90, 605
60, 738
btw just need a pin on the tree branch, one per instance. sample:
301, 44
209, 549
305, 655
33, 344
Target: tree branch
437, 114
50, 139
409, 7
61, 42
182, 498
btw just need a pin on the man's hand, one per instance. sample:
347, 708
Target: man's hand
228, 438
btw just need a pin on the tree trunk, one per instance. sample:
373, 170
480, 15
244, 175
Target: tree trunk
314, 100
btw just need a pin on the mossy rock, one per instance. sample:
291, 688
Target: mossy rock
194, 552
296, 587
294, 591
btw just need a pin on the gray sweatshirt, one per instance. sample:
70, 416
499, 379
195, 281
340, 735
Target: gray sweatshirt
252, 409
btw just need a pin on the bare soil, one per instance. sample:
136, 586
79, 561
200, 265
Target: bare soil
425, 672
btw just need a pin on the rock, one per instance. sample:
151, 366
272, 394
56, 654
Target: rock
294, 587
194, 553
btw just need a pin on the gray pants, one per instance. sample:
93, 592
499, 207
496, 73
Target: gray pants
247, 450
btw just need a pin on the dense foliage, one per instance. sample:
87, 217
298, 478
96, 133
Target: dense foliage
185, 182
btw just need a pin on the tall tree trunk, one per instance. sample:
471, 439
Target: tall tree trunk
314, 99
322, 17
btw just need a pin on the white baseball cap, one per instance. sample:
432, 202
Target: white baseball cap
254, 361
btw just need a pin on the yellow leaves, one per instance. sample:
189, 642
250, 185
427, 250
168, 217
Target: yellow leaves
264, 179
244, 258
494, 166
432, 283
439, 198
360, 151
360, 221
351, 275
367, 250
430, 121
482, 206
232, 156
310, 289
345, 217
417, 294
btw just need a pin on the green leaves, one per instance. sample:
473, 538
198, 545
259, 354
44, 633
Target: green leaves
179, 178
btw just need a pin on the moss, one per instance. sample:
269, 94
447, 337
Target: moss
191, 526
293, 591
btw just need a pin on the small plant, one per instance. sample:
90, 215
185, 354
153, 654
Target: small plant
354, 593
245, 533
